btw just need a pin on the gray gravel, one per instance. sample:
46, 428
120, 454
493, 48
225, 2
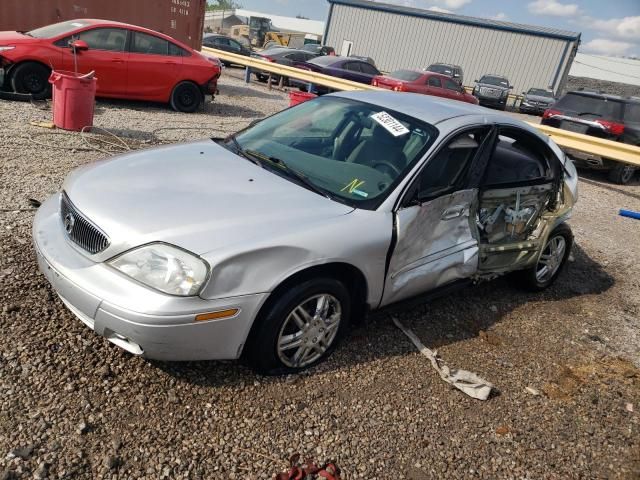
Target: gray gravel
74, 406
614, 88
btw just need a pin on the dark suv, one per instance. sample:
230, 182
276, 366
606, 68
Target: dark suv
601, 115
493, 91
453, 71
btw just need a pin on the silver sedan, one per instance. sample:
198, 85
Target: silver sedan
266, 245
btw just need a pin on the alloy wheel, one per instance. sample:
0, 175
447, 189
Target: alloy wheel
551, 259
309, 330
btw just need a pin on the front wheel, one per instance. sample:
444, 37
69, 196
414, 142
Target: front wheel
33, 78
553, 258
301, 327
186, 97
621, 174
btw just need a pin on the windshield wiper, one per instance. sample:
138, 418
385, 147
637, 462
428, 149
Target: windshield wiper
240, 151
589, 113
301, 177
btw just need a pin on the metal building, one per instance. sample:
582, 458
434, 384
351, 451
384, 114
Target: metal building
402, 37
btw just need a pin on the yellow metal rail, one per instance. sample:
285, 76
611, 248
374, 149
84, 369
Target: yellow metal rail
620, 152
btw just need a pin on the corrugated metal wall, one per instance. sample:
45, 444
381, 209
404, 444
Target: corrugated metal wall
181, 19
397, 41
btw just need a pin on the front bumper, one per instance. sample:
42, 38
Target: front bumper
533, 109
491, 101
136, 318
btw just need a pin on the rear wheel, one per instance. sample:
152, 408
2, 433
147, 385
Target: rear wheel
621, 174
551, 261
301, 327
261, 78
186, 97
33, 78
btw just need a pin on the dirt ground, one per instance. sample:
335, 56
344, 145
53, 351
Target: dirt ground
565, 362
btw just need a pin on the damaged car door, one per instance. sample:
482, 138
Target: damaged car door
521, 184
436, 241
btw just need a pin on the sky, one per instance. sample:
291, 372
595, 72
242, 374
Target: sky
608, 27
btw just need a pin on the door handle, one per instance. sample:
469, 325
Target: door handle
453, 212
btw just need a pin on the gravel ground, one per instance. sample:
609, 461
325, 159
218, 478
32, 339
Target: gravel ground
74, 406
614, 88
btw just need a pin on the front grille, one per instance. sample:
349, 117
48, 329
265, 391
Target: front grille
79, 229
490, 92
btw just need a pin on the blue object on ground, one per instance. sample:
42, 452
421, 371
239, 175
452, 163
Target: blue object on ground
630, 214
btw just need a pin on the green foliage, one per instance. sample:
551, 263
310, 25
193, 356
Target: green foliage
222, 5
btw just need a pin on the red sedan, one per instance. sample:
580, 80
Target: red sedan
130, 62
428, 83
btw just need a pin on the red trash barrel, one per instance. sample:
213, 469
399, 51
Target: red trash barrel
299, 97
74, 97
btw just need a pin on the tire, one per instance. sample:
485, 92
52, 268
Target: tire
536, 279
282, 319
33, 78
261, 78
621, 174
186, 97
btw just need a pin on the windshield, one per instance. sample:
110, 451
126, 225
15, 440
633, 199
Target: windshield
440, 69
540, 92
497, 81
355, 152
588, 106
57, 29
407, 75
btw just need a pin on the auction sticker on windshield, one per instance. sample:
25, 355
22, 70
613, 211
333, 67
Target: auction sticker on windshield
393, 126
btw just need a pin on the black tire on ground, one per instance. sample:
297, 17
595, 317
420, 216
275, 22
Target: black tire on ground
534, 278
33, 78
261, 78
186, 97
262, 352
621, 174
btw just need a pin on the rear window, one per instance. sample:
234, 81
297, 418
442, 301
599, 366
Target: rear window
407, 75
590, 106
540, 92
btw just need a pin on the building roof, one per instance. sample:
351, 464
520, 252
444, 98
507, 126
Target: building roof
460, 19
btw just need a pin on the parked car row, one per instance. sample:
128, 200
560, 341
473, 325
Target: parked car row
129, 62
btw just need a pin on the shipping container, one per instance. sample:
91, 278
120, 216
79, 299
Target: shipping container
180, 19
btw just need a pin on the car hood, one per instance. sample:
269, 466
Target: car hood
539, 98
198, 196
15, 38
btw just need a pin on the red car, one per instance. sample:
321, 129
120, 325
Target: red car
130, 62
429, 83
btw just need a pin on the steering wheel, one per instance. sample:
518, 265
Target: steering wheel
387, 168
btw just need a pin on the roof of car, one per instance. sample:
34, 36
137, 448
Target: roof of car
427, 108
594, 94
97, 21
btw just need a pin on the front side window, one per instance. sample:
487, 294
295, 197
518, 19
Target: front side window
451, 85
356, 152
109, 39
446, 171
149, 44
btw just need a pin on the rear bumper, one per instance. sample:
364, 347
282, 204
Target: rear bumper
136, 318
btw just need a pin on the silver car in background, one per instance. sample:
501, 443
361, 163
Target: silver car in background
267, 244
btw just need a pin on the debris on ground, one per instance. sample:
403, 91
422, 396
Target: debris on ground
467, 382
309, 470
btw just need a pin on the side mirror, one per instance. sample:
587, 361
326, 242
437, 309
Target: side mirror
79, 45
456, 75
524, 93
475, 81
511, 87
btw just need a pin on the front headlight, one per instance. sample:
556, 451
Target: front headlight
165, 268
4, 48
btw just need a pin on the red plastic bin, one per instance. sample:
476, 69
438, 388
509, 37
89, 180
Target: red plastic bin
299, 97
74, 97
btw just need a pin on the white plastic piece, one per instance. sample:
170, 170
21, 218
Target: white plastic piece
467, 382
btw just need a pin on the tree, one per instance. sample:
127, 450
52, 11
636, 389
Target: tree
222, 5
